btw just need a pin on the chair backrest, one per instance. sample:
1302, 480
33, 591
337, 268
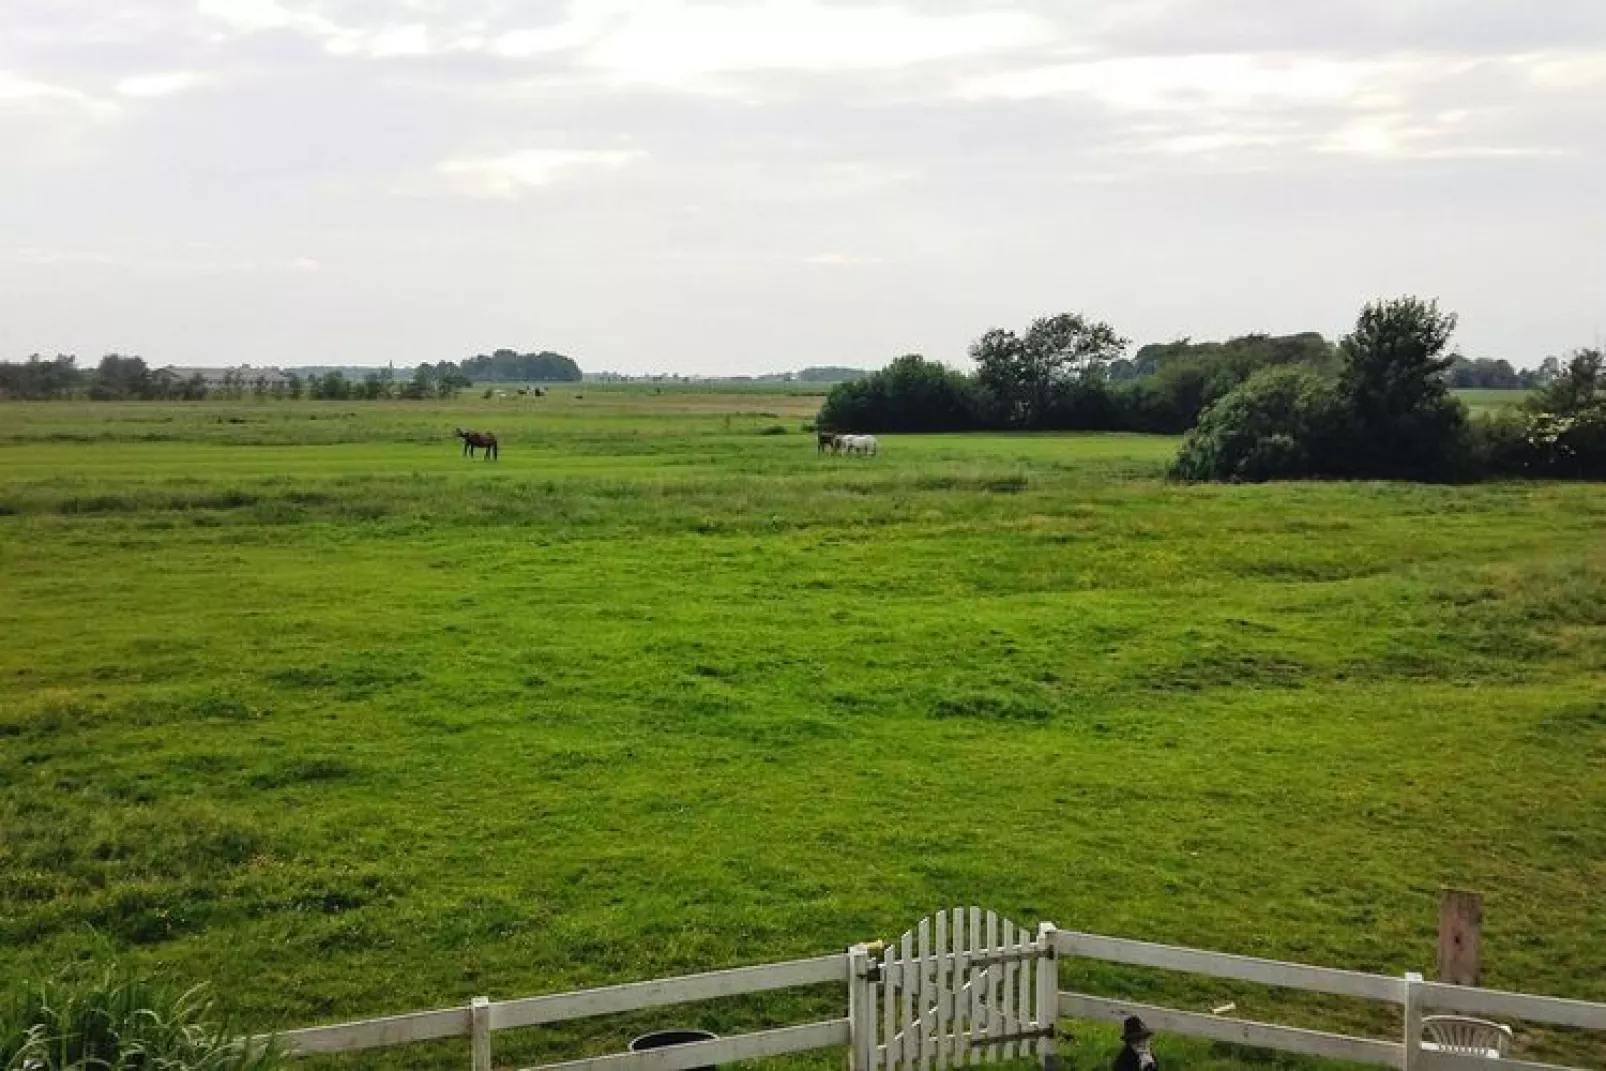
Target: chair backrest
1459, 1033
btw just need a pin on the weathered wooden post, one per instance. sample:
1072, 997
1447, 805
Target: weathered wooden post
1460, 937
480, 1023
1048, 998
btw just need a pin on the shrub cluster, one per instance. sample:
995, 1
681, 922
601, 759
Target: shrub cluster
1389, 414
1064, 374
1378, 405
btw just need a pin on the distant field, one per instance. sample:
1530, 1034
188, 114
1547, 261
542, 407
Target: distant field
297, 700
1483, 401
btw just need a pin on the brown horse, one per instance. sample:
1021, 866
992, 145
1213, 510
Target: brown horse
825, 441
473, 440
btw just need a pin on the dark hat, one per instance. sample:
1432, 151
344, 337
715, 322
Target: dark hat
1134, 1030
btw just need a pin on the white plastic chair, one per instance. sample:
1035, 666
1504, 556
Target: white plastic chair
1461, 1034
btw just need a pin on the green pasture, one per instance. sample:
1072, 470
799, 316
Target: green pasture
296, 700
1478, 400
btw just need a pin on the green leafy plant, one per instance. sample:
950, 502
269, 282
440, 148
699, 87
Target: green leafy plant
121, 1023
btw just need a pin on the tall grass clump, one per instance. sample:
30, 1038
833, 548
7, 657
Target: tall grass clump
120, 1023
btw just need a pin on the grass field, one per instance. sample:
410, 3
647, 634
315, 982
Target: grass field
296, 700
1488, 401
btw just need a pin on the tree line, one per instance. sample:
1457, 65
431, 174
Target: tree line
127, 378
1375, 405
1064, 373
508, 366
116, 378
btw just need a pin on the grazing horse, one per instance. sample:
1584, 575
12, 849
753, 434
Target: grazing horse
863, 445
473, 440
827, 441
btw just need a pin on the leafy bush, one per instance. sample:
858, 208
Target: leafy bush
117, 1023
1560, 432
911, 394
1389, 415
1278, 425
1168, 387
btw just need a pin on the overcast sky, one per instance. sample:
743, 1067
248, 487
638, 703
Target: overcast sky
753, 185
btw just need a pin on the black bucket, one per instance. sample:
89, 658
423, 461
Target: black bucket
662, 1039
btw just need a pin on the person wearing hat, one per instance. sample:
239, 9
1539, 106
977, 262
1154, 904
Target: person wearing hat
1135, 1054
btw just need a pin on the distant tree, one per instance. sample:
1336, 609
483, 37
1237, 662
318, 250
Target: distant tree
293, 385
119, 378
1484, 373
1023, 372
334, 386
448, 383
830, 374
510, 366
1581, 385
1402, 420
911, 394
37, 379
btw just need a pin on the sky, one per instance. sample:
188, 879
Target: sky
745, 186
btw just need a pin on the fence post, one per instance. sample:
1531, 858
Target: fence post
861, 1028
480, 1021
1460, 936
1048, 998
1413, 1020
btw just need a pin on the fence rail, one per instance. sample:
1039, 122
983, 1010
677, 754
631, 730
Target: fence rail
562, 1007
1271, 972
1237, 1031
957, 989
826, 1035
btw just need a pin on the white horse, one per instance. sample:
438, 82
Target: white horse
863, 445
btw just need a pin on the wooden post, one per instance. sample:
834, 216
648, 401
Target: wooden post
480, 1021
1048, 997
1460, 937
1413, 1021
861, 1010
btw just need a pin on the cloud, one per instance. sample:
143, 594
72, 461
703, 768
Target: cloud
1409, 137
20, 93
1266, 108
1565, 71
679, 44
842, 260
412, 39
42, 258
1204, 83
516, 173
687, 44
164, 84
254, 16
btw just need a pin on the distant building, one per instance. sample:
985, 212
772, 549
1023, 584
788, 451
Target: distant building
242, 376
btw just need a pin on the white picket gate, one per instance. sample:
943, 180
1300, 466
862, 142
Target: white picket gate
962, 987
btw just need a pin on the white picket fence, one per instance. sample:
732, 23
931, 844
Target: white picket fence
967, 987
